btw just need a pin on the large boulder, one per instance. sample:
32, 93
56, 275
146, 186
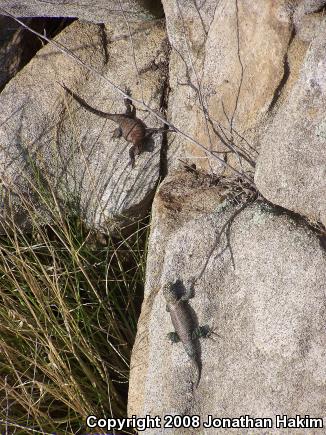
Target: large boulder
246, 81
291, 169
47, 138
260, 285
230, 55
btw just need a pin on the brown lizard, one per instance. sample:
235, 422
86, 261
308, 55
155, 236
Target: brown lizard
130, 127
185, 330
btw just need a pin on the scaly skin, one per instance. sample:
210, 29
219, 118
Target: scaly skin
183, 325
130, 127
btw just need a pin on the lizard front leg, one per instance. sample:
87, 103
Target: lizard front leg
130, 108
173, 337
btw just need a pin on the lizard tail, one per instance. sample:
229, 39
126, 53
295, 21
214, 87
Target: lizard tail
83, 103
197, 368
193, 355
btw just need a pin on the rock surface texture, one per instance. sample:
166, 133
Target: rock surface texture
97, 11
45, 133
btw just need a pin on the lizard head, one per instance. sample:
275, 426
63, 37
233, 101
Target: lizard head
169, 294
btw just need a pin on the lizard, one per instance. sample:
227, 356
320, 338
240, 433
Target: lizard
183, 322
130, 127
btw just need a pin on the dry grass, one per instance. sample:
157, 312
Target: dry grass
68, 313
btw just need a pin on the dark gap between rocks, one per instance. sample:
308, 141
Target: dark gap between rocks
286, 74
21, 45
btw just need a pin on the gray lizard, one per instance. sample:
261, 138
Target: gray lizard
130, 127
184, 326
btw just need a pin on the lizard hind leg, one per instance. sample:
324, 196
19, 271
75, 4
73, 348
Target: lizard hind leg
135, 150
202, 332
117, 133
173, 337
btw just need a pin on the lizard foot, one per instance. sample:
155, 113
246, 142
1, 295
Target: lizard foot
173, 337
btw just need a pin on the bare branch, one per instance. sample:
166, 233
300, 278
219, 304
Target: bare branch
241, 66
133, 50
225, 228
198, 84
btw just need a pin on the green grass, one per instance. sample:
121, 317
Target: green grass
69, 306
